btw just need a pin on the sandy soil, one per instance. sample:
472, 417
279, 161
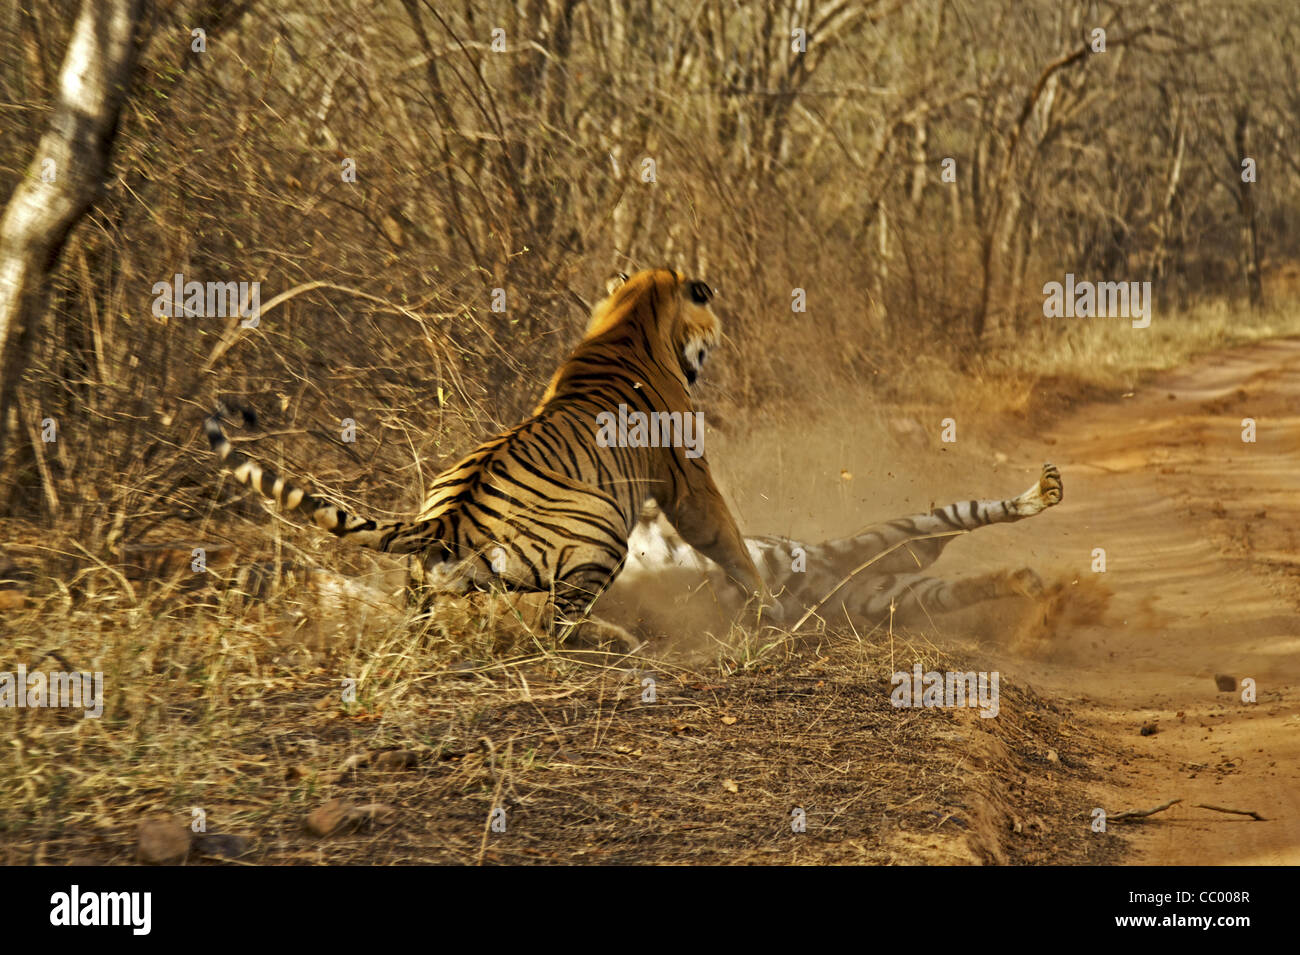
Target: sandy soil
1202, 578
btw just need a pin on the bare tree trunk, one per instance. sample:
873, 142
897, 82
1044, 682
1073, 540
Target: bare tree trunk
880, 274
919, 171
1165, 221
1021, 245
65, 176
1249, 227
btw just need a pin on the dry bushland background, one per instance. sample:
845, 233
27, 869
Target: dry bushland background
525, 169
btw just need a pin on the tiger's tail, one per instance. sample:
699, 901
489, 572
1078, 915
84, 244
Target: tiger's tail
393, 537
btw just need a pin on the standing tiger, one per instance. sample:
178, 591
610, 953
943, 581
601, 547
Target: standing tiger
866, 577
548, 505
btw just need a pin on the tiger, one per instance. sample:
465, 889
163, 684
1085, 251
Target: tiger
548, 505
870, 577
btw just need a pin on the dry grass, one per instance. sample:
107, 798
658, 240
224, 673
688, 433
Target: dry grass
1091, 356
210, 710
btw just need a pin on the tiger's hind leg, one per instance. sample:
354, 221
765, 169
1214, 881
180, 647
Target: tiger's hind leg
909, 544
914, 595
572, 619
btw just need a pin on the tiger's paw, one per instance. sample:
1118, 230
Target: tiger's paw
764, 612
596, 634
1050, 487
1021, 583
1046, 493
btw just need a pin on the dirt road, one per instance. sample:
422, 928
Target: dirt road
1201, 532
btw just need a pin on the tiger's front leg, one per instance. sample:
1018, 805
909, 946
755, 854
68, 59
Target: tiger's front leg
702, 519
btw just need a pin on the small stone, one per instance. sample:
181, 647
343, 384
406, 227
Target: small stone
161, 840
394, 761
221, 844
338, 816
327, 819
1225, 683
12, 600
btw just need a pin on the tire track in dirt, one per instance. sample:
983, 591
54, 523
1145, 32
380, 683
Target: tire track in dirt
1200, 532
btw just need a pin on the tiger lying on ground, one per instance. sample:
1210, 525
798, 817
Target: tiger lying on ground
886, 558
548, 506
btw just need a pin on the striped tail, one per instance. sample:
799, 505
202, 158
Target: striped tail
394, 537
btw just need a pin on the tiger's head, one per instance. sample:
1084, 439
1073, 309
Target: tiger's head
675, 310
665, 312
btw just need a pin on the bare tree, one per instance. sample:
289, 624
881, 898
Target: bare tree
66, 175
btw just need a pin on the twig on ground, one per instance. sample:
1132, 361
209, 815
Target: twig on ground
1141, 813
1240, 812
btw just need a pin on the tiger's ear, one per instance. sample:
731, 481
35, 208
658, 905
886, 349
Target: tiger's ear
601, 312
615, 282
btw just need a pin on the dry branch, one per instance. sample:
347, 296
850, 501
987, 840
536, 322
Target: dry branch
1240, 812
1142, 813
